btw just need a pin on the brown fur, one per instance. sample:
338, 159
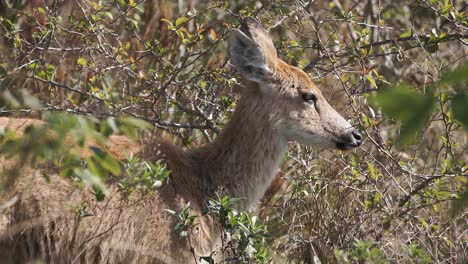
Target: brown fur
40, 219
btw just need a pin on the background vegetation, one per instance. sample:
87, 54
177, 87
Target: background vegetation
397, 69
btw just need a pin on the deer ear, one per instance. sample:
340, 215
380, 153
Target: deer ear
248, 57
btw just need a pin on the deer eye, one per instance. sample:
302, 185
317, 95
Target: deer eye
309, 98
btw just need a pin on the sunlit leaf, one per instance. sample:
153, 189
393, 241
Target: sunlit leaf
81, 62
180, 21
371, 80
408, 33
166, 20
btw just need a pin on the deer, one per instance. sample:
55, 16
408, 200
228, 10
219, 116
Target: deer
278, 104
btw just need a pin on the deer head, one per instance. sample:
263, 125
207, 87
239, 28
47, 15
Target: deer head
295, 105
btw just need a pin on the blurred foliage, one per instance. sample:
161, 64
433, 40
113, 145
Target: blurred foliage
96, 68
51, 142
394, 103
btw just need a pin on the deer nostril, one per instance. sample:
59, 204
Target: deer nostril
357, 136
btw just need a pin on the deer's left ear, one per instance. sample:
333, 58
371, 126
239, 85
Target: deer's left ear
248, 57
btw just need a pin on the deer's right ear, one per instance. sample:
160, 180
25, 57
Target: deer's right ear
248, 57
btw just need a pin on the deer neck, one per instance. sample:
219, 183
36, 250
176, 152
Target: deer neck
246, 156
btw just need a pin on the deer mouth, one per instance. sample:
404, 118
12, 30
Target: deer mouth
347, 145
350, 140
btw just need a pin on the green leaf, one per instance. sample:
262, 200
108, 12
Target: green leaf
180, 21
405, 104
407, 34
129, 126
99, 194
377, 197
372, 172
33, 66
446, 8
172, 212
459, 105
81, 62
111, 164
91, 179
94, 167
166, 20
107, 162
135, 122
50, 69
371, 80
